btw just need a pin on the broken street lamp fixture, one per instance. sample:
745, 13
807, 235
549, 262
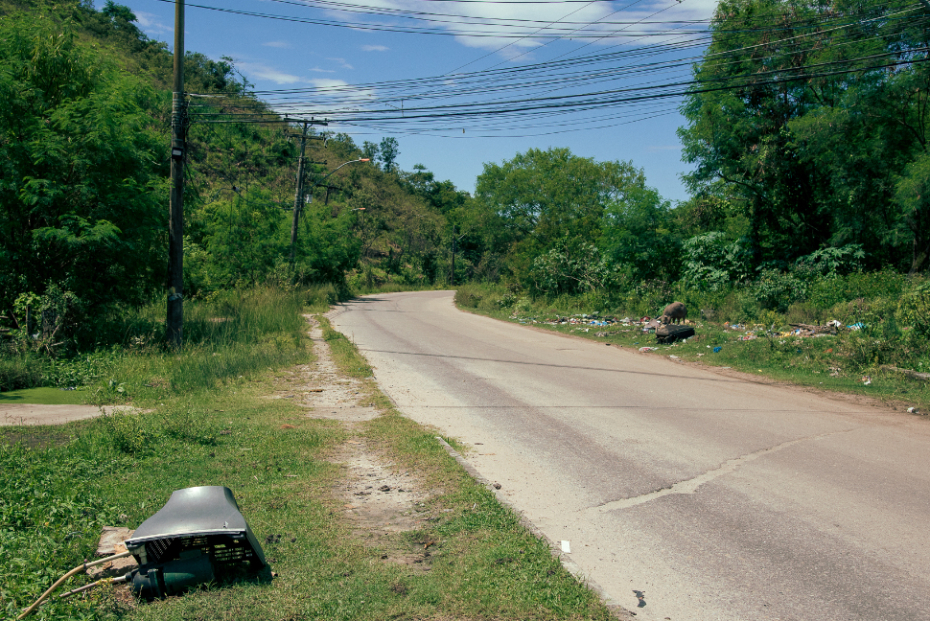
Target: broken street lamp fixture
198, 535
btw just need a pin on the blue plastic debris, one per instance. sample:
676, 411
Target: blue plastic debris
717, 350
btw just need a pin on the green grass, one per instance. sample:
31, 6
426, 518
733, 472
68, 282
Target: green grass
833, 363
211, 423
45, 396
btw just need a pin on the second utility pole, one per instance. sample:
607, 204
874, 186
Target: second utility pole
299, 196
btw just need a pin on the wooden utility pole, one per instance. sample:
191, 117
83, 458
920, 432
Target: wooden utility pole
299, 195
455, 241
175, 319
453, 254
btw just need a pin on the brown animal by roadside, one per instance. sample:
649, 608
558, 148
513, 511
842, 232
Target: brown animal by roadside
674, 312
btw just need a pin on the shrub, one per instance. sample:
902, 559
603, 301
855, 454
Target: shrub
468, 296
914, 309
712, 261
776, 290
24, 370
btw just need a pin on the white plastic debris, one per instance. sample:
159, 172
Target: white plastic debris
566, 547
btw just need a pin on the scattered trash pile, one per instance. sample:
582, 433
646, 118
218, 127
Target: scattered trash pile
648, 324
665, 333
831, 328
582, 319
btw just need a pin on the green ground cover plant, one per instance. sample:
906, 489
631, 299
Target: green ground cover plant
883, 359
211, 423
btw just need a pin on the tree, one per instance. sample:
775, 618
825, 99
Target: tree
639, 233
542, 200
83, 171
389, 150
370, 150
118, 13
812, 162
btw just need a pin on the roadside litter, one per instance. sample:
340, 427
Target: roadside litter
196, 538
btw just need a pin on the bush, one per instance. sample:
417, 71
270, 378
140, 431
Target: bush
469, 296
777, 290
827, 292
24, 370
712, 261
914, 310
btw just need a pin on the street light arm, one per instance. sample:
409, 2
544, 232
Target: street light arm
364, 159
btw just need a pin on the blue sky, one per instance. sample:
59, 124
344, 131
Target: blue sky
275, 54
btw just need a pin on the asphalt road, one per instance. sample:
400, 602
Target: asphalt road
712, 496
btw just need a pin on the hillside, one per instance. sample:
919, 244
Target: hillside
84, 152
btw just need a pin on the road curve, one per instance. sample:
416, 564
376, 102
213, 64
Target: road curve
712, 497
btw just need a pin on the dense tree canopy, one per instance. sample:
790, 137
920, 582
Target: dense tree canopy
82, 170
573, 211
821, 143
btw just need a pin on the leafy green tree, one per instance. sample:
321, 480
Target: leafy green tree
122, 15
813, 163
370, 150
82, 169
912, 195
389, 149
541, 199
639, 233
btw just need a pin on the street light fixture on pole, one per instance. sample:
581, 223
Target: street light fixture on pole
298, 204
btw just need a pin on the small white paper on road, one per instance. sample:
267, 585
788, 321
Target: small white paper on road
566, 547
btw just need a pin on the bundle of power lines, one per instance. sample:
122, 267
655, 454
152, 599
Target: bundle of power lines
623, 83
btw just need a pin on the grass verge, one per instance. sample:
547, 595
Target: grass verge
62, 485
852, 362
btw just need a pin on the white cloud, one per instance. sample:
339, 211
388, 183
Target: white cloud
318, 70
264, 72
278, 44
327, 83
576, 22
150, 23
374, 48
341, 62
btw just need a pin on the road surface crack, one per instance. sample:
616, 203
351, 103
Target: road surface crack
690, 486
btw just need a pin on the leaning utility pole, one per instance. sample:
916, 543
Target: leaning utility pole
175, 319
299, 195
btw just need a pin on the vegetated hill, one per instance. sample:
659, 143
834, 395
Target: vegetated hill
84, 135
